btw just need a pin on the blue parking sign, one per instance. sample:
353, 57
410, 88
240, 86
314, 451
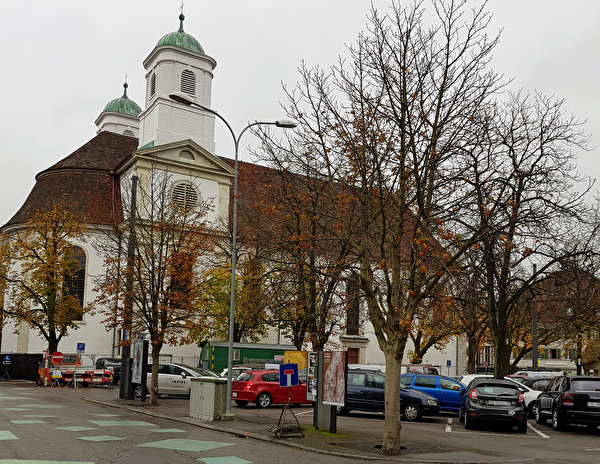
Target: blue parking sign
288, 375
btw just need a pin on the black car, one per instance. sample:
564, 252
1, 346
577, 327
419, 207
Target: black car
538, 383
489, 400
365, 391
110, 363
569, 400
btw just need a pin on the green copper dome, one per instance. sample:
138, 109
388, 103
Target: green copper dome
181, 39
123, 105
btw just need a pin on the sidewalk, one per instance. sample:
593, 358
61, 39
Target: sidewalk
357, 438
254, 423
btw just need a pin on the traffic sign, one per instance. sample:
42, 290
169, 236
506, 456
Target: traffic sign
81, 347
57, 357
288, 375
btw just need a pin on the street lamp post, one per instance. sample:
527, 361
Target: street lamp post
184, 98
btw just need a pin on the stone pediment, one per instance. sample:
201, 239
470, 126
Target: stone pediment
184, 156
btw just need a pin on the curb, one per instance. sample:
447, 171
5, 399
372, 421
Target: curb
244, 434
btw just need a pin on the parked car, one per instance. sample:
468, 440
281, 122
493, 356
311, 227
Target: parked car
467, 378
538, 383
446, 390
262, 388
493, 400
529, 394
365, 391
235, 371
570, 400
174, 379
110, 363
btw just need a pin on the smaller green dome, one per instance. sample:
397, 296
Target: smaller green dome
182, 39
123, 105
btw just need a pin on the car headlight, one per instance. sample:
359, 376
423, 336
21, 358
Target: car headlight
432, 402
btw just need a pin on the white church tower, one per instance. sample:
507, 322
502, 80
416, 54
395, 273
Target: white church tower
177, 64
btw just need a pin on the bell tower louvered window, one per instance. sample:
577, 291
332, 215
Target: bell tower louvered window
185, 196
188, 82
153, 85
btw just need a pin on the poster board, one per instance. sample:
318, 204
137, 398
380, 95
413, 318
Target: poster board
334, 378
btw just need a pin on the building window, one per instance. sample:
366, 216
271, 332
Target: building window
185, 196
188, 82
75, 282
185, 154
128, 133
153, 85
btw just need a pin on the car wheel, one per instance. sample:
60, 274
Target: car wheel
522, 428
538, 414
263, 400
530, 409
411, 412
39, 381
241, 403
468, 422
558, 423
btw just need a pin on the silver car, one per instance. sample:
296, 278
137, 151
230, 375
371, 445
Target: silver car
174, 379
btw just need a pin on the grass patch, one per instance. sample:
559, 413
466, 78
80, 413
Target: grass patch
308, 428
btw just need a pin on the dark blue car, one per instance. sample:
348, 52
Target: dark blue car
365, 392
446, 390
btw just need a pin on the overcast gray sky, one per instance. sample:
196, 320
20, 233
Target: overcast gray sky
61, 61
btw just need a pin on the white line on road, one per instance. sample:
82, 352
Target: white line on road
541, 434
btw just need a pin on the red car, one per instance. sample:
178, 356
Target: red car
262, 388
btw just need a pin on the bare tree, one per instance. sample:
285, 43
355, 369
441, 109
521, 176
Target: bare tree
522, 177
383, 130
156, 267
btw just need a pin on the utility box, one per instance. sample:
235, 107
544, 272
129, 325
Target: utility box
208, 398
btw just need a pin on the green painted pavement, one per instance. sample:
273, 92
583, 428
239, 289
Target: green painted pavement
185, 445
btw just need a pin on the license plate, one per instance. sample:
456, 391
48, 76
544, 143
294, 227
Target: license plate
594, 404
498, 403
234, 395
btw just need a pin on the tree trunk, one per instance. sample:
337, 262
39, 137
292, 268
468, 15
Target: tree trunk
392, 423
154, 389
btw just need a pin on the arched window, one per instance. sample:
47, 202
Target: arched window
185, 154
128, 133
75, 281
188, 82
153, 85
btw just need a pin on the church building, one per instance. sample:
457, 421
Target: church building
130, 141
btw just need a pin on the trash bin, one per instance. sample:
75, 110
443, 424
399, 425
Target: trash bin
208, 397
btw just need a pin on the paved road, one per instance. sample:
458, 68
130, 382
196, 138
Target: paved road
55, 425
47, 425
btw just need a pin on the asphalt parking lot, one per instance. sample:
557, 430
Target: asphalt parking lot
440, 439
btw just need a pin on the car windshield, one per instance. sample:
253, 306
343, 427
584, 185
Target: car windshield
586, 385
200, 372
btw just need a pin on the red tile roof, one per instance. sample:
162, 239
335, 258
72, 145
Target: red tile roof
82, 183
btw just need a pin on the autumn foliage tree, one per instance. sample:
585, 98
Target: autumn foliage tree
38, 265
156, 266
